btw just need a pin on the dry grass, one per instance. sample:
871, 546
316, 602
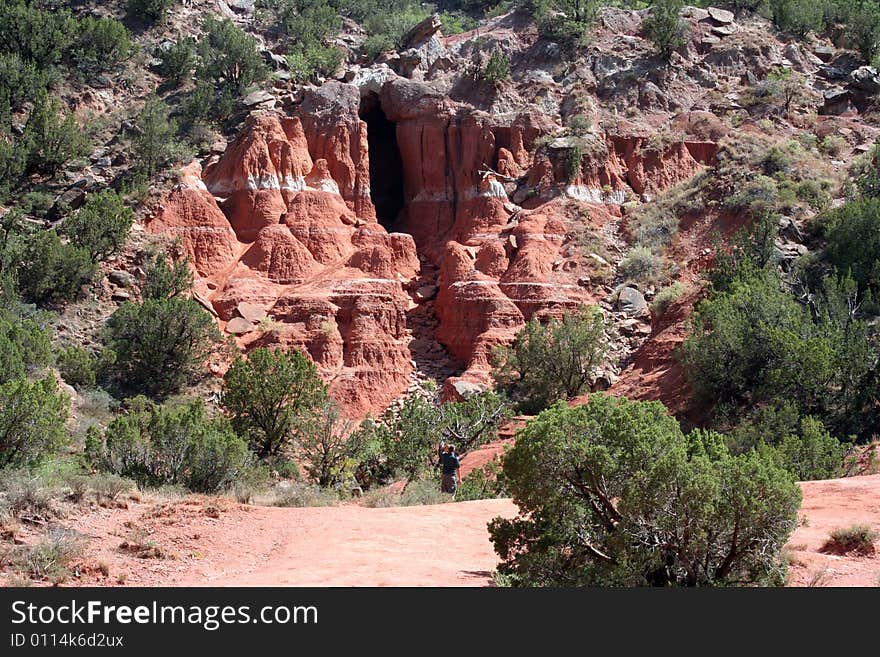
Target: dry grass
856, 539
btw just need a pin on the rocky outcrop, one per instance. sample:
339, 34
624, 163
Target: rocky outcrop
283, 222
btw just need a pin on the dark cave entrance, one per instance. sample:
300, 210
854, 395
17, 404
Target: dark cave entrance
386, 167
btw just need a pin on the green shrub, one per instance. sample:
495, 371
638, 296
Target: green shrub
165, 278
51, 141
497, 69
309, 62
858, 539
579, 124
149, 11
101, 225
159, 345
665, 28
409, 437
51, 271
754, 342
552, 362
853, 241
268, 394
798, 17
178, 60
21, 81
76, 367
565, 22
376, 44
833, 145
154, 144
813, 453
229, 56
391, 23
592, 481
173, 444
641, 264
482, 484
24, 346
667, 296
328, 445
32, 417
49, 559
100, 44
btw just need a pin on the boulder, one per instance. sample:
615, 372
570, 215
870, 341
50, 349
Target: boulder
422, 31
463, 390
631, 302
720, 16
239, 326
865, 79
251, 312
425, 293
121, 278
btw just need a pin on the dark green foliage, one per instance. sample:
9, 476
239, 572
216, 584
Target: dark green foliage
21, 81
409, 437
798, 17
41, 37
310, 61
101, 225
750, 250
564, 21
388, 22
552, 362
665, 28
229, 57
853, 234
327, 444
612, 493
100, 44
24, 346
482, 484
812, 453
149, 11
268, 394
497, 68
160, 345
801, 445
754, 342
305, 21
153, 143
868, 182
206, 103
178, 60
166, 278
51, 140
32, 417
171, 444
51, 271
77, 367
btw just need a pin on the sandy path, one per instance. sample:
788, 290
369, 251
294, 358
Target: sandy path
827, 505
444, 545
216, 542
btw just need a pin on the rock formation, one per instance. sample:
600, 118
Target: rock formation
284, 221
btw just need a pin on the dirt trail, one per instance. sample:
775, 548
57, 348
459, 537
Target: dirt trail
205, 541
443, 545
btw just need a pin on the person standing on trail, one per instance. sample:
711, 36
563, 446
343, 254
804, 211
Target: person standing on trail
451, 466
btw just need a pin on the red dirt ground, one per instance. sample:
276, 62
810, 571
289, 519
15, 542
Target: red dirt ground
828, 505
216, 542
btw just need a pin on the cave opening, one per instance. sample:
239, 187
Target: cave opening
386, 166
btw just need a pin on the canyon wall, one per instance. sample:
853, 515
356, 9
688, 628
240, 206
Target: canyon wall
288, 251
